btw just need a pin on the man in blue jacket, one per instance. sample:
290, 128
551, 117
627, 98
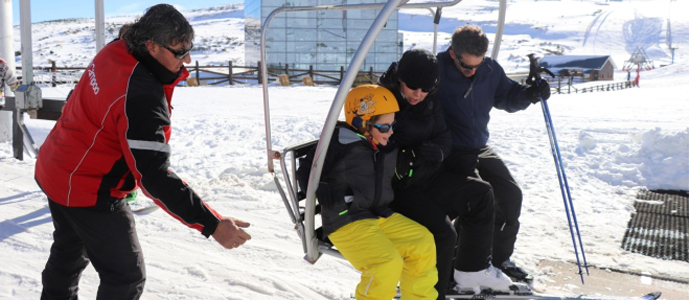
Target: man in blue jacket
470, 86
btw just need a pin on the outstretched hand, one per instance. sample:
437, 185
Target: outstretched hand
229, 233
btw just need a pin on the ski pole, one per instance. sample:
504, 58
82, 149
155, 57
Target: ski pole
565, 190
535, 77
567, 187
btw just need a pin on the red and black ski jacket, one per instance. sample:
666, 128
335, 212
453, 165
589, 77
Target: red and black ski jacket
113, 136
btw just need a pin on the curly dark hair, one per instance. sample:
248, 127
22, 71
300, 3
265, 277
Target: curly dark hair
161, 24
469, 39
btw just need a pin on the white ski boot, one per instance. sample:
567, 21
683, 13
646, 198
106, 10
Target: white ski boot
490, 280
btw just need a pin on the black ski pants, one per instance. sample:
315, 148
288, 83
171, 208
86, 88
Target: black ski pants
417, 205
508, 203
468, 201
104, 235
485, 166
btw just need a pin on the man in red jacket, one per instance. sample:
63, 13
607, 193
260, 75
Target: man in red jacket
112, 137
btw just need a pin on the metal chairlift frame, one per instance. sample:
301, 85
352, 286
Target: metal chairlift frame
305, 226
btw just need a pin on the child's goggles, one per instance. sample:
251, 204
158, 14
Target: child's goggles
383, 128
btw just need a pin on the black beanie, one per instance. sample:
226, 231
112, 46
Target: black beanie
418, 68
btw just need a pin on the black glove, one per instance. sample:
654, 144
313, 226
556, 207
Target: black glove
535, 91
407, 160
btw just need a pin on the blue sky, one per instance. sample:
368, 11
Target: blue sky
44, 10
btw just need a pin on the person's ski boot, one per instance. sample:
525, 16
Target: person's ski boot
489, 279
514, 272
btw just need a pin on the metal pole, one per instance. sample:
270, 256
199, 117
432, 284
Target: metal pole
499, 28
100, 25
27, 52
7, 53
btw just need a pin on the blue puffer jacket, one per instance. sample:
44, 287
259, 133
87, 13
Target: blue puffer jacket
467, 101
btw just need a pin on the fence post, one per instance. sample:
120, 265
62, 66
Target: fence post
287, 70
342, 73
371, 75
230, 79
17, 134
54, 70
197, 74
258, 72
311, 72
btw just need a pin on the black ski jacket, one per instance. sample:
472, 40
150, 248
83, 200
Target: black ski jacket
419, 128
351, 168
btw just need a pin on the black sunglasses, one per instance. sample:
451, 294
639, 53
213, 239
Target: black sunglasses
424, 90
383, 128
466, 66
179, 54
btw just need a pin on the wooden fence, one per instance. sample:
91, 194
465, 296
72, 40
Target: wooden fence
603, 87
217, 75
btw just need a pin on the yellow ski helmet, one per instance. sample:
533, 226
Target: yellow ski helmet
366, 101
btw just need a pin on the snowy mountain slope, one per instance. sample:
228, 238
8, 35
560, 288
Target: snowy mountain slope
541, 27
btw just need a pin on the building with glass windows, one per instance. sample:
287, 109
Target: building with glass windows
326, 40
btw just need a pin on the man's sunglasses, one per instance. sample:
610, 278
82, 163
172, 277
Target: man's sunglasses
424, 89
466, 66
179, 54
383, 128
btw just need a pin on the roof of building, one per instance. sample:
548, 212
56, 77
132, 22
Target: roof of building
585, 62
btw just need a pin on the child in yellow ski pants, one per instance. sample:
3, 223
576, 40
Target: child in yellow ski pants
388, 250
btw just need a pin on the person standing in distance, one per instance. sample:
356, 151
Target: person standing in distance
6, 79
470, 86
112, 137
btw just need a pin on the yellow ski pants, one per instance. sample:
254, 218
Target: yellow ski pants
388, 250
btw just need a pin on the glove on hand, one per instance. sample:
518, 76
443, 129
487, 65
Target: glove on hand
406, 163
535, 91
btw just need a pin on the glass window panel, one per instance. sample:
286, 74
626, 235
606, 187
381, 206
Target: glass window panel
330, 58
276, 58
301, 23
300, 3
293, 34
356, 35
275, 35
293, 46
387, 36
325, 35
387, 59
331, 14
359, 24
277, 22
384, 47
331, 23
305, 58
335, 47
275, 46
332, 47
301, 14
272, 2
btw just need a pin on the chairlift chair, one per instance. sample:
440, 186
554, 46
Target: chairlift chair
301, 205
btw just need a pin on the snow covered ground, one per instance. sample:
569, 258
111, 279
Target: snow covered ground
613, 144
